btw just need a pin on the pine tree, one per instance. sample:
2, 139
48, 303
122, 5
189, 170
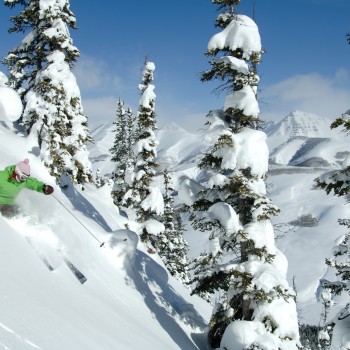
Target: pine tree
231, 202
40, 70
130, 139
338, 181
143, 194
171, 245
99, 180
119, 153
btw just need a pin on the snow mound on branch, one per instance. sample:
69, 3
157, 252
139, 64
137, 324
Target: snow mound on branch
188, 191
241, 33
154, 227
243, 100
243, 334
249, 151
262, 234
154, 201
226, 215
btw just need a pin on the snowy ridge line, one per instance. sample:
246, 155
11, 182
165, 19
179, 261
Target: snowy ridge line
278, 170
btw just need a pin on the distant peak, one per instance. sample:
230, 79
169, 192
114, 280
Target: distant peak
302, 124
171, 126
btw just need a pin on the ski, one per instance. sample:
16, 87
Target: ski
77, 273
40, 254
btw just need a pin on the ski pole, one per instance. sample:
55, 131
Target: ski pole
101, 243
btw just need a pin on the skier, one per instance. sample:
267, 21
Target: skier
12, 180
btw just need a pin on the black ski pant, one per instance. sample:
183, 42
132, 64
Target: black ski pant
9, 210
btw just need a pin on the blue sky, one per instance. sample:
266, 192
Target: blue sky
306, 66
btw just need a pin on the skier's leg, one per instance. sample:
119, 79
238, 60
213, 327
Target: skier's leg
9, 211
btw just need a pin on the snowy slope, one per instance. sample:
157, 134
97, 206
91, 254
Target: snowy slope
305, 231
128, 302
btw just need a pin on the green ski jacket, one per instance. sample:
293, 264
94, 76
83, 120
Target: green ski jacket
10, 189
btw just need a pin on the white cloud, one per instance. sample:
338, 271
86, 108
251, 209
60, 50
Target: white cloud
313, 93
92, 73
100, 110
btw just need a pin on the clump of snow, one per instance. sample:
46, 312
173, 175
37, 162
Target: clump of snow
149, 143
10, 104
244, 100
266, 277
154, 201
240, 66
148, 96
188, 191
241, 33
282, 316
249, 151
150, 66
262, 234
226, 215
122, 248
217, 180
243, 334
154, 227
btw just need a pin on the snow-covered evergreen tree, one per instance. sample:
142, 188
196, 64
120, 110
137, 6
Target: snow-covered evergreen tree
99, 180
40, 70
172, 247
119, 153
143, 196
337, 329
130, 125
242, 268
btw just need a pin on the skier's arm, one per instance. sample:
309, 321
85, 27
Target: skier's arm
33, 184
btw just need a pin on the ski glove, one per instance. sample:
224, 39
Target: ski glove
47, 189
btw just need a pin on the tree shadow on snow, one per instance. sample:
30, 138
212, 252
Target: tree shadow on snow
80, 203
151, 280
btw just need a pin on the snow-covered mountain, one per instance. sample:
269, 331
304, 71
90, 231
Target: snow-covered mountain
305, 139
178, 150
300, 139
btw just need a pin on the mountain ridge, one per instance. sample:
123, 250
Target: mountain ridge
299, 139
